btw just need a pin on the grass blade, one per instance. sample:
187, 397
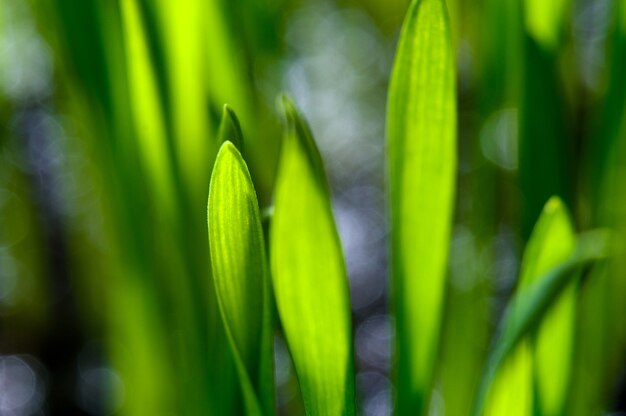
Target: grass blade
146, 107
230, 129
241, 276
309, 275
552, 242
528, 307
544, 20
601, 355
546, 149
421, 129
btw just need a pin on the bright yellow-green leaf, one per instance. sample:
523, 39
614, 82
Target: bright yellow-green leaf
529, 306
241, 276
552, 242
421, 134
184, 52
310, 282
544, 20
147, 111
511, 393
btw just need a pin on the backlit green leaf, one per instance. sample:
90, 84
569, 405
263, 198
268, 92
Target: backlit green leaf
146, 106
544, 20
421, 134
529, 306
309, 275
241, 276
552, 242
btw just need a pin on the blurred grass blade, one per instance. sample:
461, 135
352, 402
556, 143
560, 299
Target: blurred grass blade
602, 331
230, 129
529, 306
552, 242
310, 282
421, 128
185, 53
546, 149
511, 393
241, 276
605, 146
544, 20
146, 107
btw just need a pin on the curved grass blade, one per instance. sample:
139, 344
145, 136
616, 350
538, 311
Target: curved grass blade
552, 242
241, 276
310, 282
421, 134
529, 307
146, 107
230, 129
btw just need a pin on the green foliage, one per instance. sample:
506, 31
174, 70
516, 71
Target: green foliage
105, 172
544, 21
241, 276
551, 243
530, 305
309, 275
421, 134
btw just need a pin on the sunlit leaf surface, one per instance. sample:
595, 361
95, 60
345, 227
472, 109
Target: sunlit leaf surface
529, 306
421, 128
552, 242
309, 275
241, 276
544, 20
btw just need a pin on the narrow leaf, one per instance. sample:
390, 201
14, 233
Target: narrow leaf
146, 107
545, 20
241, 276
528, 308
310, 282
230, 129
552, 242
421, 129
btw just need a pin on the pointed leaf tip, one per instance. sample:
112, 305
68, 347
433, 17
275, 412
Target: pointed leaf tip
230, 129
241, 276
312, 296
421, 149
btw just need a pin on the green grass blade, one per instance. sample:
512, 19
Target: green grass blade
544, 20
602, 330
421, 129
146, 107
529, 306
511, 393
230, 129
544, 148
552, 242
241, 276
308, 269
